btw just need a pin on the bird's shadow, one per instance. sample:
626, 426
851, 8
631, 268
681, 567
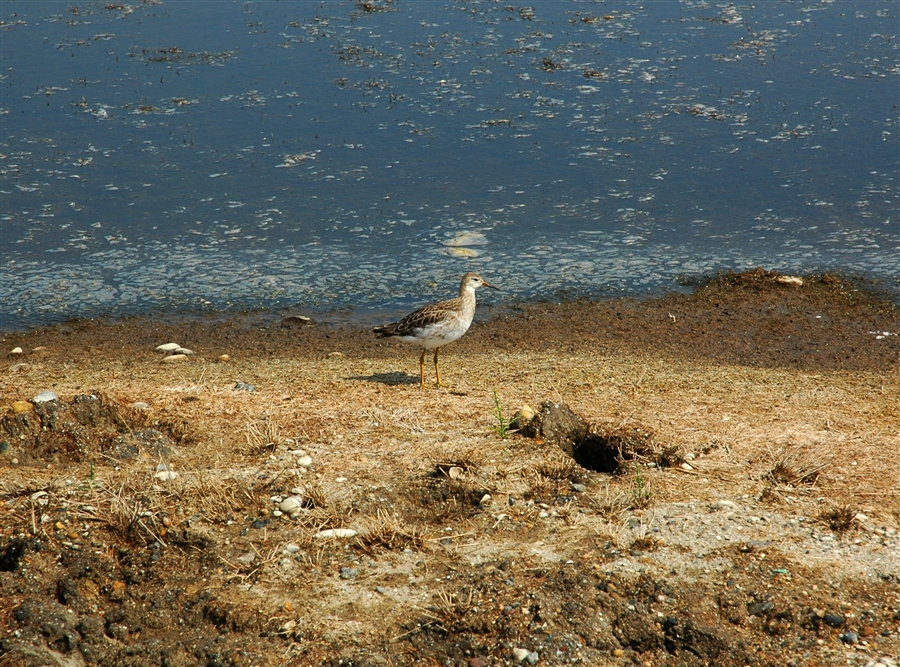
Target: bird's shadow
394, 378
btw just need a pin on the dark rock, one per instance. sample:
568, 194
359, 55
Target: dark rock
67, 593
92, 628
706, 642
631, 629
833, 620
759, 608
12, 554
557, 424
848, 637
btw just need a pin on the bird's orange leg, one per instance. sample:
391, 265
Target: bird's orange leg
422, 370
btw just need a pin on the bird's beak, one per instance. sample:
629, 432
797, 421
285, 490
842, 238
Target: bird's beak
487, 284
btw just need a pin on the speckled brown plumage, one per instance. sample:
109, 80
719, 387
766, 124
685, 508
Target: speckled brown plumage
437, 324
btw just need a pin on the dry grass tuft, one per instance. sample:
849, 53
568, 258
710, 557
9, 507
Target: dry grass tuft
389, 532
840, 518
797, 466
263, 437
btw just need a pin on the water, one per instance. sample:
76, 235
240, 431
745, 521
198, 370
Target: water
332, 156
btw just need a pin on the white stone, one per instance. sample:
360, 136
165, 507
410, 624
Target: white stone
183, 350
45, 397
172, 358
520, 654
17, 350
304, 461
335, 532
166, 475
291, 504
38, 494
168, 347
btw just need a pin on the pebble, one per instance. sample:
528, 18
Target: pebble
724, 504
166, 475
349, 573
884, 661
578, 488
520, 654
140, 405
477, 662
224, 357
760, 608
381, 589
524, 655
21, 406
687, 466
291, 505
243, 386
304, 461
486, 499
17, 350
291, 548
834, 620
335, 355
526, 414
45, 397
172, 358
848, 637
184, 350
455, 472
247, 558
38, 494
168, 347
335, 532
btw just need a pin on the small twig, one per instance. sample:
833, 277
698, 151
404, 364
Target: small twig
412, 632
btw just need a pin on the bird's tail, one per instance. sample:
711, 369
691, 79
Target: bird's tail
385, 330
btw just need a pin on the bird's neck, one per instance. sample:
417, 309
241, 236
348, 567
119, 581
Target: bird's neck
467, 297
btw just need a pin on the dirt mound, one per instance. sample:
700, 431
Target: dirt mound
90, 427
596, 447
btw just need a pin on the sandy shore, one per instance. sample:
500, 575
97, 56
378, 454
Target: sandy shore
142, 526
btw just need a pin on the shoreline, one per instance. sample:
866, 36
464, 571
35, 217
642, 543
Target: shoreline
880, 289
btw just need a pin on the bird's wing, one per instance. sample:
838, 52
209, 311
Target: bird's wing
418, 319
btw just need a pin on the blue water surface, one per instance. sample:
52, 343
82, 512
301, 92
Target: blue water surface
191, 156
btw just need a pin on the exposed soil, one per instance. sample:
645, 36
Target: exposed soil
712, 479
